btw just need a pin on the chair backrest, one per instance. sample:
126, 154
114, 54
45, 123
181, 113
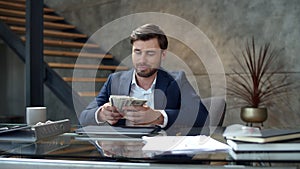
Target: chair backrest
217, 108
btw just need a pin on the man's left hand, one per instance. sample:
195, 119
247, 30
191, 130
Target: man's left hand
142, 115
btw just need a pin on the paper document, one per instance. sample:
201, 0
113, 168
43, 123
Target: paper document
241, 130
183, 143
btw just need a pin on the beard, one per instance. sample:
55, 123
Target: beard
146, 73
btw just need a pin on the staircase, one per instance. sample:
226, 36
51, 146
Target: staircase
62, 46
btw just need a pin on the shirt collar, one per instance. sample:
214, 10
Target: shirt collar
133, 82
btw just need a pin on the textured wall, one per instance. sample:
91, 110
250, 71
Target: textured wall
12, 89
226, 23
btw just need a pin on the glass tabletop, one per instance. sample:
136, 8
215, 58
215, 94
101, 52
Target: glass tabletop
72, 146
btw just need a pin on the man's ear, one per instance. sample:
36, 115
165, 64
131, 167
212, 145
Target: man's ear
163, 54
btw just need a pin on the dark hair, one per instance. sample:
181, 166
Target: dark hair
147, 32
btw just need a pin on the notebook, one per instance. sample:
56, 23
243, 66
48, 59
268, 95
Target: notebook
269, 135
290, 145
286, 156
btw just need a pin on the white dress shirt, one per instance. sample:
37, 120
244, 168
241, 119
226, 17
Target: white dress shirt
138, 92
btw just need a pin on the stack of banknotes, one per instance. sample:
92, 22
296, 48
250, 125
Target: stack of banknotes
119, 101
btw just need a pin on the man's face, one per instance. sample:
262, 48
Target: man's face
146, 57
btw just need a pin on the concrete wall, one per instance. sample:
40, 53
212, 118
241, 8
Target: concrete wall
227, 24
12, 89
12, 86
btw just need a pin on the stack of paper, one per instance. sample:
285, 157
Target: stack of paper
235, 130
187, 144
119, 101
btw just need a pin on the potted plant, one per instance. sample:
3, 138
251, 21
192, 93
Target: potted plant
256, 84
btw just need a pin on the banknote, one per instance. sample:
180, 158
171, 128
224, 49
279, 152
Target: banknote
119, 101
138, 102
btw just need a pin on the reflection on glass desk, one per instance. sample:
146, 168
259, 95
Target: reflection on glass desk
70, 146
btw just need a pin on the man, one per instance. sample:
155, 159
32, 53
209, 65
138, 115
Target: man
170, 97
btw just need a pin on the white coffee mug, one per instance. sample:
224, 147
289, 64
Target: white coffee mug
35, 115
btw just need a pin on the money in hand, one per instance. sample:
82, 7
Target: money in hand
119, 101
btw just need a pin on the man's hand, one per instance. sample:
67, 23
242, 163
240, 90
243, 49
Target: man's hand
124, 148
142, 115
109, 113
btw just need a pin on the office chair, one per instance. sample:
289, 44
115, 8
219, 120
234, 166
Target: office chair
217, 111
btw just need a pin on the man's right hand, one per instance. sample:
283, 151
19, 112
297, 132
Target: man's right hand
109, 114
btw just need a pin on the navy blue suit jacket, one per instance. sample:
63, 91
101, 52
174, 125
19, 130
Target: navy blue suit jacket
173, 93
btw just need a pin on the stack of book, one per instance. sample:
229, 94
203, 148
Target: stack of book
268, 144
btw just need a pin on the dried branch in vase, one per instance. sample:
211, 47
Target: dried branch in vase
257, 84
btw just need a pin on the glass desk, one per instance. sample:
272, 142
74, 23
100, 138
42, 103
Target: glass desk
69, 149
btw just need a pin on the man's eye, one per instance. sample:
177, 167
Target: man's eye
137, 52
151, 53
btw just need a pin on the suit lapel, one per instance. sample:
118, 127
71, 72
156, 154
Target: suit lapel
161, 85
121, 85
123, 88
125, 83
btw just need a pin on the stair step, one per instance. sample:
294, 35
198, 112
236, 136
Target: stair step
51, 33
13, 12
22, 14
76, 54
21, 1
69, 44
20, 6
88, 94
22, 21
84, 79
85, 66
62, 43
